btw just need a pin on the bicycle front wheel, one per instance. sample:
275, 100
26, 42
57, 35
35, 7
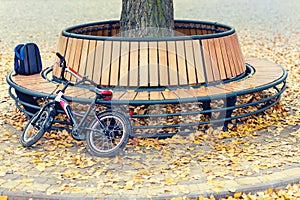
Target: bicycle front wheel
108, 134
38, 125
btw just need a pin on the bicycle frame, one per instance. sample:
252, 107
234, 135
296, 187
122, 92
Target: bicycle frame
60, 99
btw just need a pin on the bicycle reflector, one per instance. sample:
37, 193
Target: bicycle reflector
106, 95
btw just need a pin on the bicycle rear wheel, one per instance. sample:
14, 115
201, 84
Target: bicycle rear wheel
38, 125
108, 134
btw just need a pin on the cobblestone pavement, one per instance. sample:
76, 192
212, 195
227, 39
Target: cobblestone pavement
258, 160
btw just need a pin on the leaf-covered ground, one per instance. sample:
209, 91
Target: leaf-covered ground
262, 145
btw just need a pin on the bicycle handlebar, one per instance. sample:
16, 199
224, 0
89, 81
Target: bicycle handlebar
82, 79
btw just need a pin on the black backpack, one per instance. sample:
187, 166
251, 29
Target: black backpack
27, 59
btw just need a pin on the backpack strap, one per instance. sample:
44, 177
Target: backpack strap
18, 56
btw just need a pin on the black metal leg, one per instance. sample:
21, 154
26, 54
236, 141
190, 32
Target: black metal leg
206, 106
230, 101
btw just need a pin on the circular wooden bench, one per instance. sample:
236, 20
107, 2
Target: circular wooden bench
203, 62
199, 53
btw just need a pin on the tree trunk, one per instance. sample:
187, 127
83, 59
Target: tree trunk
147, 18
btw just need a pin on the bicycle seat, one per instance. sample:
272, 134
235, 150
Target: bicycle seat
104, 94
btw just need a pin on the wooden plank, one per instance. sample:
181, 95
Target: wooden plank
207, 62
155, 95
163, 65
181, 63
242, 66
77, 57
83, 59
98, 61
91, 59
208, 91
169, 95
100, 32
172, 60
62, 46
225, 58
142, 96
214, 60
190, 62
144, 65
230, 56
182, 93
199, 31
187, 31
192, 30
234, 53
115, 64
198, 61
124, 64
74, 92
134, 64
72, 56
69, 60
105, 31
127, 96
105, 73
117, 95
153, 64
220, 59
114, 32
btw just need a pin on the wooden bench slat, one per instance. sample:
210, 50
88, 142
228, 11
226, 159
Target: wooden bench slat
105, 31
169, 95
91, 59
117, 95
127, 96
134, 64
153, 66
183, 93
124, 73
142, 96
115, 61
220, 58
234, 49
32, 79
163, 66
226, 60
214, 61
181, 62
69, 59
207, 61
62, 50
190, 62
105, 73
172, 60
192, 30
198, 61
239, 55
207, 91
77, 57
98, 61
230, 55
84, 55
156, 96
144, 65
72, 92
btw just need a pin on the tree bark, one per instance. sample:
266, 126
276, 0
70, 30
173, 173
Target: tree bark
147, 18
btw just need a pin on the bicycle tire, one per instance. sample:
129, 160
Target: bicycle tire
108, 142
40, 125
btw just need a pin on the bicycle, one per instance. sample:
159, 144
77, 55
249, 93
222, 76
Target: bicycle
107, 132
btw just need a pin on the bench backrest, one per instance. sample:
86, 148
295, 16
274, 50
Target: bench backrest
133, 63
